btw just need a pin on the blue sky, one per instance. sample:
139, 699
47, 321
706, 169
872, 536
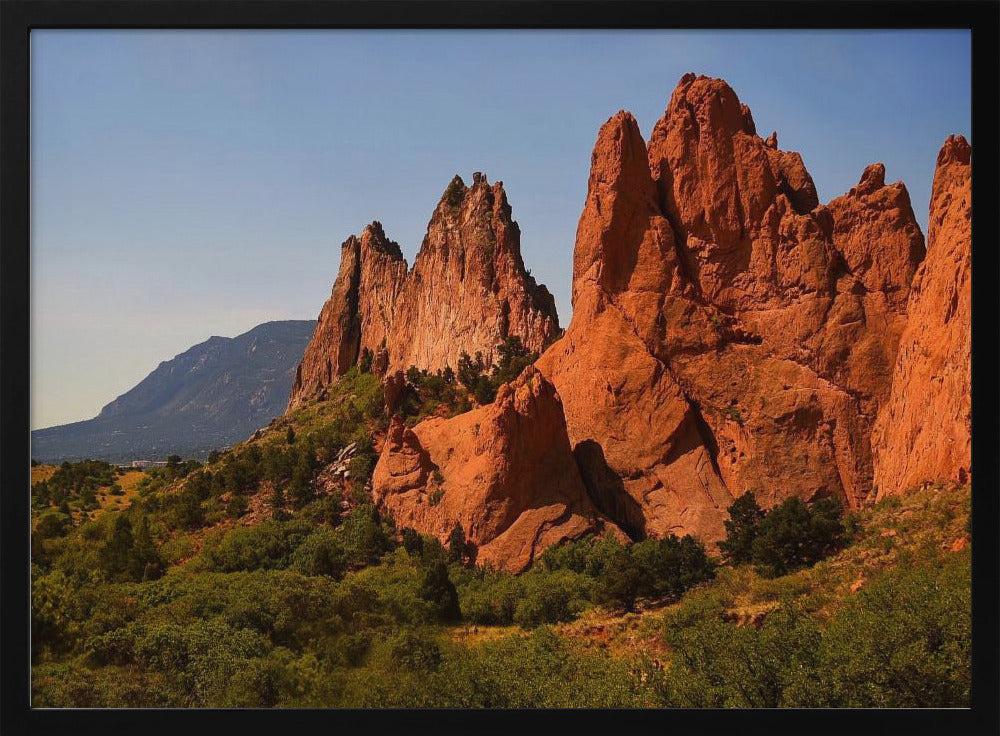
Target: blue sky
196, 183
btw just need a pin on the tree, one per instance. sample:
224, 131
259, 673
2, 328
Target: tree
184, 510
794, 535
745, 516
300, 489
145, 562
512, 358
484, 391
363, 537
52, 524
672, 565
413, 376
320, 554
620, 582
278, 512
365, 361
114, 555
456, 543
413, 543
469, 370
437, 588
290, 436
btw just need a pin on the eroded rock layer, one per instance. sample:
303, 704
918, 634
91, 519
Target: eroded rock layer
467, 292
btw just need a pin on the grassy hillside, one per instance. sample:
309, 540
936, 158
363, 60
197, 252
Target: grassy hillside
265, 577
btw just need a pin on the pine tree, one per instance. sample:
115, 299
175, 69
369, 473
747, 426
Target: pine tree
438, 589
456, 544
115, 553
145, 562
742, 527
278, 512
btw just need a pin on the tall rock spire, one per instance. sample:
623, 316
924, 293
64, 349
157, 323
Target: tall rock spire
924, 432
468, 291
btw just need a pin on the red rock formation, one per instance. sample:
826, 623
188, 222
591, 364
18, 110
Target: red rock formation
924, 431
505, 472
729, 333
633, 430
468, 291
334, 344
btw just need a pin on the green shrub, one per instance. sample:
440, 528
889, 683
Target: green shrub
491, 597
268, 545
364, 538
321, 553
620, 582
716, 664
794, 535
671, 566
742, 527
548, 598
413, 650
904, 641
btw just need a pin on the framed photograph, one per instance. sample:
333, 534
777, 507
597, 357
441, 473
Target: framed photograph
461, 366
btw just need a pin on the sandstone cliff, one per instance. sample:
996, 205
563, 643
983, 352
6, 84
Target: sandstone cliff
924, 431
729, 334
505, 472
468, 290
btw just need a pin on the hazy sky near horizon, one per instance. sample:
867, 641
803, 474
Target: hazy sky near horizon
195, 183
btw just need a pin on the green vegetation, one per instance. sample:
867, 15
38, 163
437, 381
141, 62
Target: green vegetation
425, 394
512, 358
902, 642
261, 580
73, 486
789, 536
455, 192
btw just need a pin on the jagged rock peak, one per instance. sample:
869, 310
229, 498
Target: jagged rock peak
620, 188
374, 237
468, 291
872, 179
750, 328
716, 177
707, 98
955, 150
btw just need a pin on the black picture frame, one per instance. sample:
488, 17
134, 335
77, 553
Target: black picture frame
19, 17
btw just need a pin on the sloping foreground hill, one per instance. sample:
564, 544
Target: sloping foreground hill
214, 394
270, 616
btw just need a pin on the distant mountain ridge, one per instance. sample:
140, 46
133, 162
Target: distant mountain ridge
214, 394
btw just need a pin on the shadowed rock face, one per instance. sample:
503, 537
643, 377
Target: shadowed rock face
505, 472
467, 292
924, 431
358, 313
